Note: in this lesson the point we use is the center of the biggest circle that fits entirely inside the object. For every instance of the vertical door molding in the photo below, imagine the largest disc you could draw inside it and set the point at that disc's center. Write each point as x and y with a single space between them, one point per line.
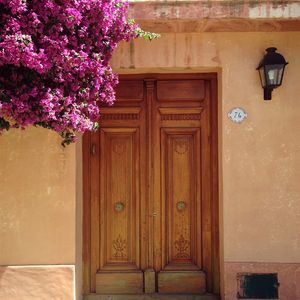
150 85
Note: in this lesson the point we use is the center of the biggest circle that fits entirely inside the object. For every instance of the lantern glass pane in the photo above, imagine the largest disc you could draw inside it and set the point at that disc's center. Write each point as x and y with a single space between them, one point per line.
262 76
280 74
274 74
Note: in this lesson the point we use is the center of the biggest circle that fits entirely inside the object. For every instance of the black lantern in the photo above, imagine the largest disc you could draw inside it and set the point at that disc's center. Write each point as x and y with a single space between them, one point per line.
271 70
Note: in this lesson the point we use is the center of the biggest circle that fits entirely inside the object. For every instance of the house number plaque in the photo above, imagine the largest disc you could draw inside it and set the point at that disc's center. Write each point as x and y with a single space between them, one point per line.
237 115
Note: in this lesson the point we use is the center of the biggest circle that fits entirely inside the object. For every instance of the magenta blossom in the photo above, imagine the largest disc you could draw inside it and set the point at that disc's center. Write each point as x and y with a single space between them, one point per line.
54 61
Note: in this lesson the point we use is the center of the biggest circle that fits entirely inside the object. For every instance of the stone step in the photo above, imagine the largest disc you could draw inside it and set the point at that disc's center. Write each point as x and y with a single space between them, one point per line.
151 297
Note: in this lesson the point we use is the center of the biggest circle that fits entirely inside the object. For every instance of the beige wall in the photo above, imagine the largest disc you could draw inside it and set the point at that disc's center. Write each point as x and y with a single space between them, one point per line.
259 159
37 199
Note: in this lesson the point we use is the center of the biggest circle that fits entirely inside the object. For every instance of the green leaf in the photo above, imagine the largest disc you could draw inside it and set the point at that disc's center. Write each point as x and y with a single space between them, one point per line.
147 35
4 124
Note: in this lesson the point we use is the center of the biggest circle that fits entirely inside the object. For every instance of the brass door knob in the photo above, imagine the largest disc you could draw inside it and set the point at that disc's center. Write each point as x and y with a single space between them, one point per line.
119 206
181 205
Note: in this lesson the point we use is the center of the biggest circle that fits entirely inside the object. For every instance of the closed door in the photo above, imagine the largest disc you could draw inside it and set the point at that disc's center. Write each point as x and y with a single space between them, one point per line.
151 212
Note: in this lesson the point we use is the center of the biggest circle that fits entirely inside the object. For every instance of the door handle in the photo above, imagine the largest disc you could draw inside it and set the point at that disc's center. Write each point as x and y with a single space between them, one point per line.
119 206
181 205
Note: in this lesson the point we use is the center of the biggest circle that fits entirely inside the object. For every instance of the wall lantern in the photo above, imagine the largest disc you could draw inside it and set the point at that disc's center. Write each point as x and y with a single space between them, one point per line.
271 70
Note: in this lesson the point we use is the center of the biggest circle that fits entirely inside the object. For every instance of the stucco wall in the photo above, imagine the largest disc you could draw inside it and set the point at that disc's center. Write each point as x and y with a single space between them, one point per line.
37 199
259 159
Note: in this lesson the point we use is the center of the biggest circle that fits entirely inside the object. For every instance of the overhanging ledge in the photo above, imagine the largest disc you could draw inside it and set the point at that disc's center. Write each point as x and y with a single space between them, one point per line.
198 16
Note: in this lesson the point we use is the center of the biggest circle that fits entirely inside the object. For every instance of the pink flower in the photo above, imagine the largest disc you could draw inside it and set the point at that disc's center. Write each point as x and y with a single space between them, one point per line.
54 62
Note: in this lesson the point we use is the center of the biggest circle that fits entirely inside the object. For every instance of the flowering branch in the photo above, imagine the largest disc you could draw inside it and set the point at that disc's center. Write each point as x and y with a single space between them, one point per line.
54 61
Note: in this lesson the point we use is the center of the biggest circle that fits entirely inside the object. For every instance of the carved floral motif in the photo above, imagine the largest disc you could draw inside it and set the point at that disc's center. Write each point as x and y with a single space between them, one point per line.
119 246
182 246
118 148
181 146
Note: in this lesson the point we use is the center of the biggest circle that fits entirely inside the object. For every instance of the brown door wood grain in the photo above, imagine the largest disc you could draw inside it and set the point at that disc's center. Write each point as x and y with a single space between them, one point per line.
151 199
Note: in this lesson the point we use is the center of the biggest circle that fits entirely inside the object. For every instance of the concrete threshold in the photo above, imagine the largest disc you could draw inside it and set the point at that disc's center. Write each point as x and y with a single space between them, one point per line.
151 297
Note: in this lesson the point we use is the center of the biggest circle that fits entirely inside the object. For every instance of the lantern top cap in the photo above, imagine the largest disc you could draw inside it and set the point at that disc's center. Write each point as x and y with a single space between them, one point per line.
271 49
272 58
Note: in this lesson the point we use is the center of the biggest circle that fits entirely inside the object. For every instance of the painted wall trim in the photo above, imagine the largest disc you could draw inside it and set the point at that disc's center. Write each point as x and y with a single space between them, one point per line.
216 16
288 277
164 10
219 25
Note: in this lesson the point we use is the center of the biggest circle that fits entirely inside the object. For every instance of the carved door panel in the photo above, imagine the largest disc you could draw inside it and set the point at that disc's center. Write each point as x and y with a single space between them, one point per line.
152 216
182 182
118 195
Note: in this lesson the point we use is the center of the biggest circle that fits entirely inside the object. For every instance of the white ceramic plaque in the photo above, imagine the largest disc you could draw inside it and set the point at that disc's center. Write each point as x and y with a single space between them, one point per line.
237 115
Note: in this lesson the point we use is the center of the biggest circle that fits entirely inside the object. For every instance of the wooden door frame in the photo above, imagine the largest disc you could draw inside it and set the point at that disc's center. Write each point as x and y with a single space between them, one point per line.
215 238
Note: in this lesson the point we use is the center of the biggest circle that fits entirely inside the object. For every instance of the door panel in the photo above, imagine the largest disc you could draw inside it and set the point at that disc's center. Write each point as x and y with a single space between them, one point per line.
120 199
181 282
119 224
184 90
120 218
181 198
180 134
151 189
130 90
119 282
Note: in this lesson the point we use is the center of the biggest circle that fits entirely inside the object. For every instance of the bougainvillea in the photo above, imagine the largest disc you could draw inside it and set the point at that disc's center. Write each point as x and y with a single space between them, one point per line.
54 61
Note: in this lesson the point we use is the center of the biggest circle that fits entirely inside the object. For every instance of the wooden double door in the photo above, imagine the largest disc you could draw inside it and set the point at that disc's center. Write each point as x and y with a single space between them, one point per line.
151 214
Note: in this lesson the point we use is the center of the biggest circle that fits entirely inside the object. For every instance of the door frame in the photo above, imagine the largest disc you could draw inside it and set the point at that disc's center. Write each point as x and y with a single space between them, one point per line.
214 285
